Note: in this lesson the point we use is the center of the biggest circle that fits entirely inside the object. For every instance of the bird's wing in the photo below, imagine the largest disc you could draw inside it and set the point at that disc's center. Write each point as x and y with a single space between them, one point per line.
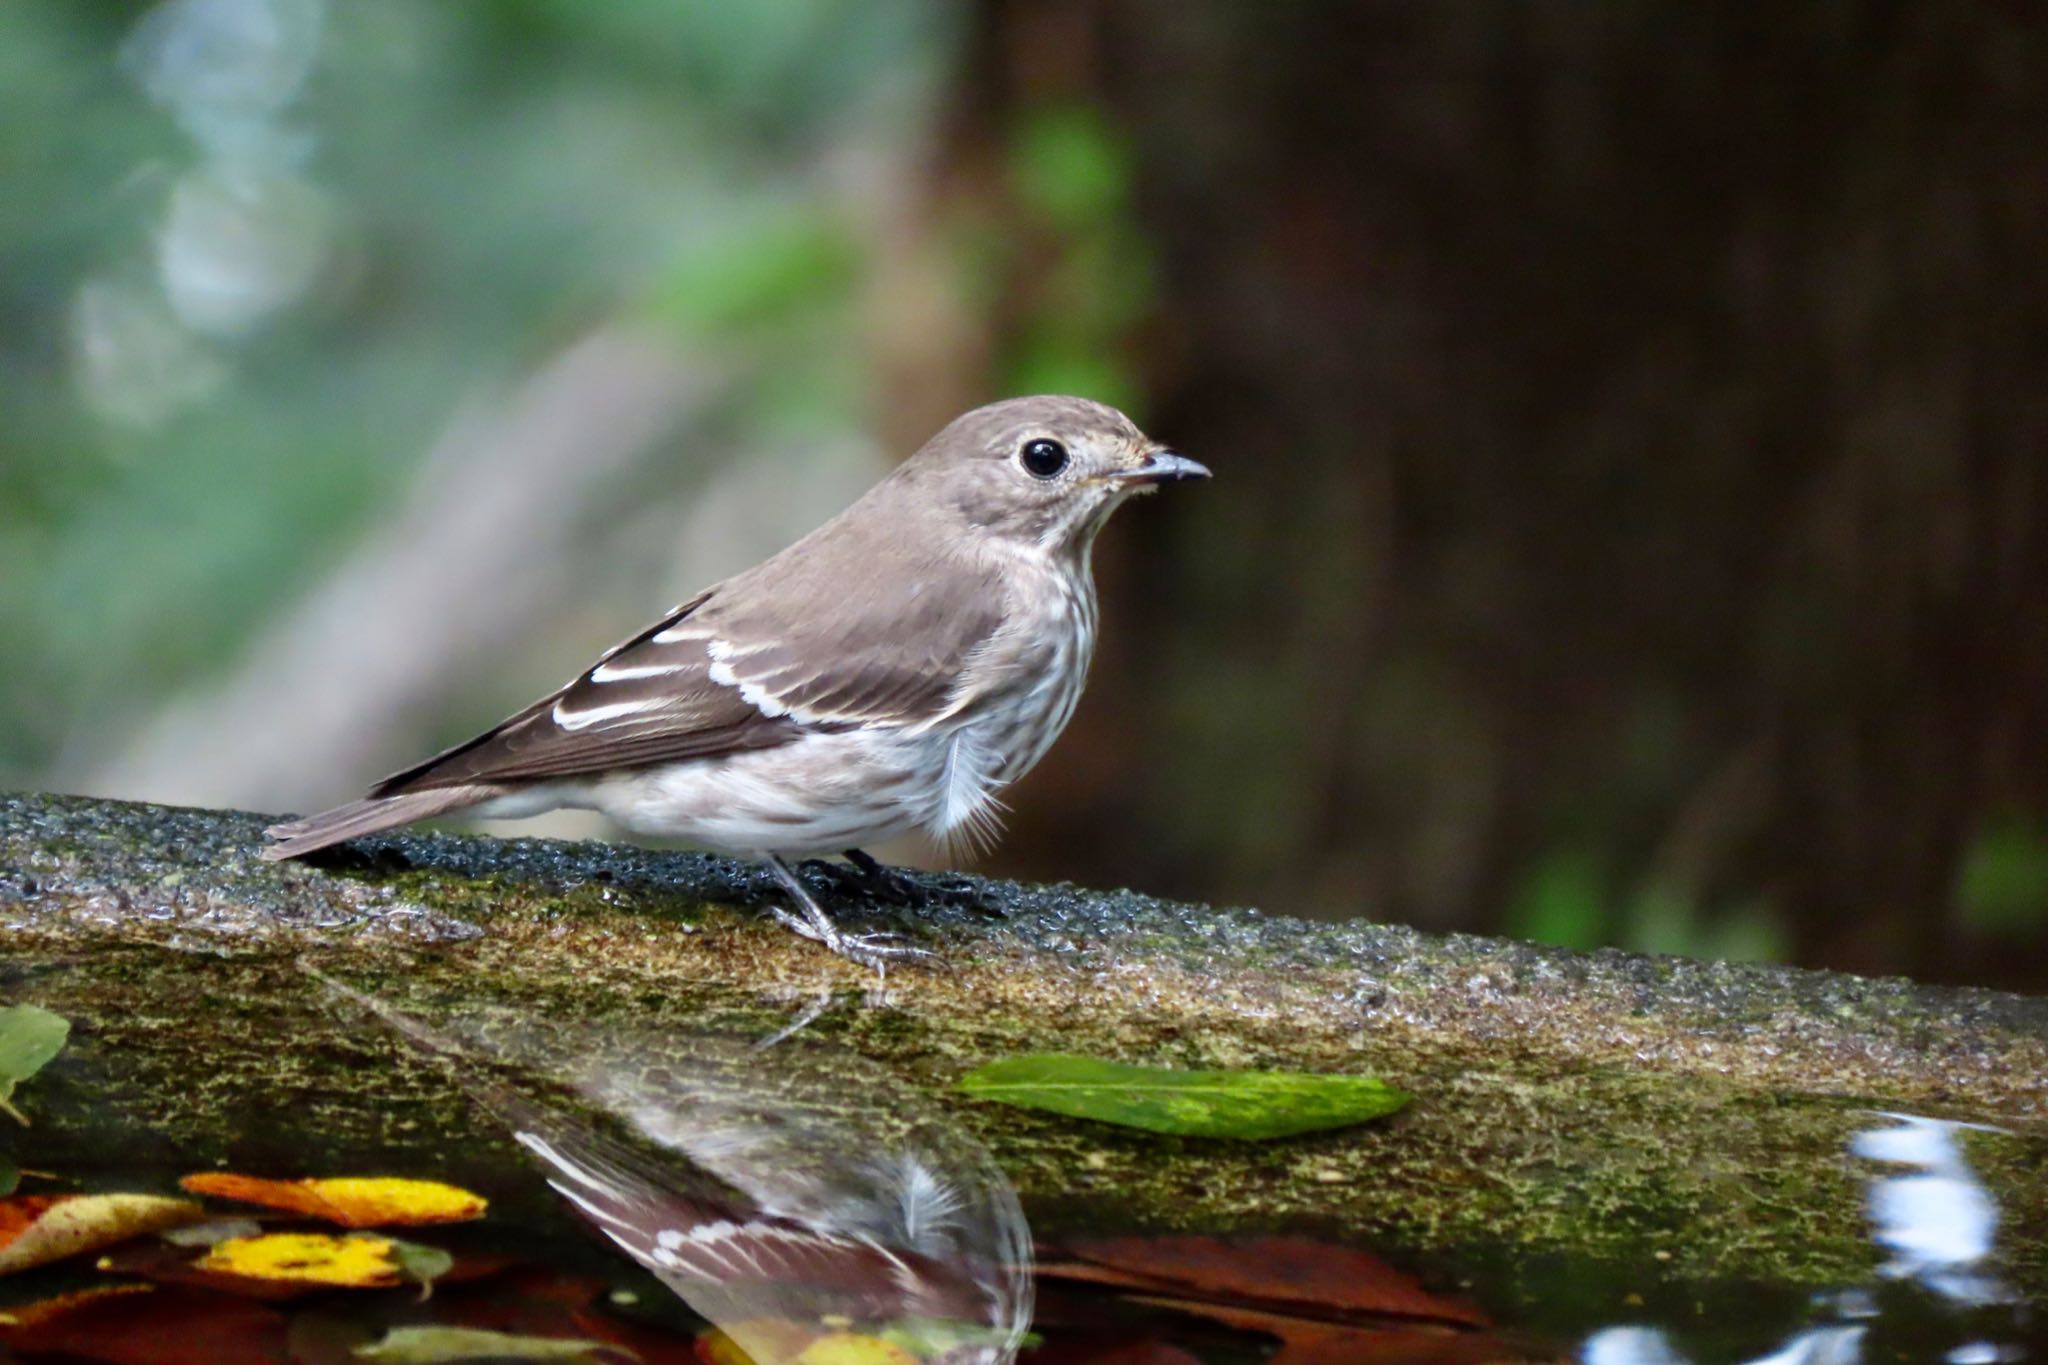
742 667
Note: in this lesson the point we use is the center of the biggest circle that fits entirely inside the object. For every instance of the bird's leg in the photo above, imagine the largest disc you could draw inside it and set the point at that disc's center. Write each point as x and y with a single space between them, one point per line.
866 878
797 1025
870 950
881 882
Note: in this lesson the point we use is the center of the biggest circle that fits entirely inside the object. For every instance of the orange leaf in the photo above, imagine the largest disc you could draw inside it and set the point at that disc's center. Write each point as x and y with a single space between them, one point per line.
39 1228
350 1202
17 1213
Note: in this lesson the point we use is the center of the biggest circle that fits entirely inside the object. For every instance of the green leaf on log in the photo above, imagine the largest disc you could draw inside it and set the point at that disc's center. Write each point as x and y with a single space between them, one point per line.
1215 1104
29 1037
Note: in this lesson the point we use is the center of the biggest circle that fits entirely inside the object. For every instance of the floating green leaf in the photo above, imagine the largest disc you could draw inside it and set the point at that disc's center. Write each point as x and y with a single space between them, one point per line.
441 1345
29 1037
421 1264
1225 1104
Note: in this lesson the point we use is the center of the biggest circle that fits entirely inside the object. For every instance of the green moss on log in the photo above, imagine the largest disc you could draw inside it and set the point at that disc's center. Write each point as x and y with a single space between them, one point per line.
1603 1105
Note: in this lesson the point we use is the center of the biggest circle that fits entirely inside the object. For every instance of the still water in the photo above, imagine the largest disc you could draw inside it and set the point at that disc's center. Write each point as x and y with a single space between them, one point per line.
774 1199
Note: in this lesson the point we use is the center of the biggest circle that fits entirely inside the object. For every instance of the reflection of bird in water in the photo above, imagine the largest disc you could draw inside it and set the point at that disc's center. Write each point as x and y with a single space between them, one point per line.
749 1270
772 1190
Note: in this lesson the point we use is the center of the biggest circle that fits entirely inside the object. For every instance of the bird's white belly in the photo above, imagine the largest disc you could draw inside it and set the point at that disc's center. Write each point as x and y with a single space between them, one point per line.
818 794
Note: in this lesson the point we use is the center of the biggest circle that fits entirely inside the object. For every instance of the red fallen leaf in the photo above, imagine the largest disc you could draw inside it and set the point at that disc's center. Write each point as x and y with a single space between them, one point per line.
1307 1342
540 1284
1120 1353
529 1302
1319 1278
330 1334
29 1315
650 1344
162 1327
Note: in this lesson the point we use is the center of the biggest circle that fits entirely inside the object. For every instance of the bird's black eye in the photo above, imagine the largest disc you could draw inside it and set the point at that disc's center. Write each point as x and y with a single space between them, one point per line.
1043 457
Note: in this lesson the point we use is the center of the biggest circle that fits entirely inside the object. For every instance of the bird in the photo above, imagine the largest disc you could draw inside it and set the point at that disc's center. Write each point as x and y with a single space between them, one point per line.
895 670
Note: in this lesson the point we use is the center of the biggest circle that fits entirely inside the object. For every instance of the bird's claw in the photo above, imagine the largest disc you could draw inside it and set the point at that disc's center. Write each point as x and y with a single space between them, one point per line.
874 951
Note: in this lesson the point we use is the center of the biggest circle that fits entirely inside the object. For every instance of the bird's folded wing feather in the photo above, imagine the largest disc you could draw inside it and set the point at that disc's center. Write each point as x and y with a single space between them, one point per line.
740 668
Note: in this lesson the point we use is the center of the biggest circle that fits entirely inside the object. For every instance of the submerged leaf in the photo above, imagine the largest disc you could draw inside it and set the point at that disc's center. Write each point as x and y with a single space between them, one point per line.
931 1338
279 1266
355 1262
350 1202
852 1348
29 1037
45 1311
1218 1104
442 1345
38 1229
1315 1278
141 1325
754 1341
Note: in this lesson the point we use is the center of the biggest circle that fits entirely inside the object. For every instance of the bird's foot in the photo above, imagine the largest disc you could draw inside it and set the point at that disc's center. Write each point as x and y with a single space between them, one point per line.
810 920
874 951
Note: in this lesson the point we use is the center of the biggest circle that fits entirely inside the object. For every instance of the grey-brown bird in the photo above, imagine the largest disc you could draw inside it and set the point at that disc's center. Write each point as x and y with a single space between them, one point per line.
892 671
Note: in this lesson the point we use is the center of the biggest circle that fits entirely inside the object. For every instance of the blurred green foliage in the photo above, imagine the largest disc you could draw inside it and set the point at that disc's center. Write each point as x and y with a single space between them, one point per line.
761 274
1569 899
2003 888
1072 172
479 184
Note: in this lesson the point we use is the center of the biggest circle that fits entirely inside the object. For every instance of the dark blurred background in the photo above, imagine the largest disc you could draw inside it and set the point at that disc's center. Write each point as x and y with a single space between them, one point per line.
1631 523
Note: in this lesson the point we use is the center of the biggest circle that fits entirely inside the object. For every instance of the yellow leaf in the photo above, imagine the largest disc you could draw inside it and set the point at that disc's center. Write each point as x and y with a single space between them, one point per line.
350 1201
851 1348
755 1341
307 1258
38 1229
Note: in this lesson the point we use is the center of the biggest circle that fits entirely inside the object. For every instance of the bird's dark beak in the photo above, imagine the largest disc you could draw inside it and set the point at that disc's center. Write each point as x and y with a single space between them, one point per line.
1163 466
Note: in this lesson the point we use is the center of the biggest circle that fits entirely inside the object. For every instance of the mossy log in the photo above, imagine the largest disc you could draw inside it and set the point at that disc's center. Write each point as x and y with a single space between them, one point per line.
1606 1105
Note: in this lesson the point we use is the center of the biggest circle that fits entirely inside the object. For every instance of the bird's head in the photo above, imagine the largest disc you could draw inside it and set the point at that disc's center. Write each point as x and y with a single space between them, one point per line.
1046 471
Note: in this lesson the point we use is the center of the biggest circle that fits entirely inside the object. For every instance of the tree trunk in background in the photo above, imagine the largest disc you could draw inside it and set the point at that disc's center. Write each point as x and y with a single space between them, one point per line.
1630 440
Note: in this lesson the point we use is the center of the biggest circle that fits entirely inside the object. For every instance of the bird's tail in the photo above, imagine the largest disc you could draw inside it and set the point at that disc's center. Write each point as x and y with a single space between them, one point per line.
296 837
